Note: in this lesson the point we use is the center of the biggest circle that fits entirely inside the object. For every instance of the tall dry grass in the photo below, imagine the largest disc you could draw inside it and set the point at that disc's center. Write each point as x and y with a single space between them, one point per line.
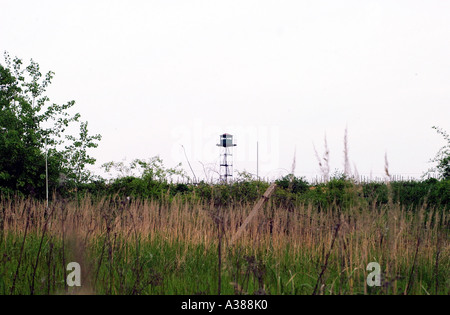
327 250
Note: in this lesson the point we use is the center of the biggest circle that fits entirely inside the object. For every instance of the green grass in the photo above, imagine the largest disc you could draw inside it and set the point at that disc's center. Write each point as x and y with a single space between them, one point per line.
159 267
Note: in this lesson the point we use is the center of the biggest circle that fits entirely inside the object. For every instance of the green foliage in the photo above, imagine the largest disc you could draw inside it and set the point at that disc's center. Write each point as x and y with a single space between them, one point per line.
413 194
296 185
442 157
31 126
345 194
144 178
339 193
76 156
152 169
237 192
376 193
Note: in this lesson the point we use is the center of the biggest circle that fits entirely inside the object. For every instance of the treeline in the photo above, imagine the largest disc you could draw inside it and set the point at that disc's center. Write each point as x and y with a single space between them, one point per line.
291 191
345 193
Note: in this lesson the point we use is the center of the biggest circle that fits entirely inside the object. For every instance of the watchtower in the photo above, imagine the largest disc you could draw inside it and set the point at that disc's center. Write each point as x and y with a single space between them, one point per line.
226 157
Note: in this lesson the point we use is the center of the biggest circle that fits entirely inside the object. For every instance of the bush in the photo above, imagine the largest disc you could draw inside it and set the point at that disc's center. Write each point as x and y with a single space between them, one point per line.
297 185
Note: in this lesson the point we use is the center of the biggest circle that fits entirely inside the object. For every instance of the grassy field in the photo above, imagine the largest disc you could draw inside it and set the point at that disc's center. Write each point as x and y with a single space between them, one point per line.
179 247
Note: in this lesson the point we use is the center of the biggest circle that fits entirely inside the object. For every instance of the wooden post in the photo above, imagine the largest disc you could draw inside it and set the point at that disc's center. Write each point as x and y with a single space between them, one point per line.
253 213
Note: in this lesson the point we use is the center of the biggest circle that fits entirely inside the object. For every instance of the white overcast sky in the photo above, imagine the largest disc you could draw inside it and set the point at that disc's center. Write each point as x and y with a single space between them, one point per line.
151 76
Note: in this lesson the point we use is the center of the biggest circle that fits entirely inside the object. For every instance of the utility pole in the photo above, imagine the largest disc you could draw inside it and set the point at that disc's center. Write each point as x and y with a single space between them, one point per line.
257 160
46 171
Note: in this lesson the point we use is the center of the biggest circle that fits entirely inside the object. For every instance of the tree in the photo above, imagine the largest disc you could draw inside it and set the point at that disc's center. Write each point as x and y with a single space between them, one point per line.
31 127
442 157
76 157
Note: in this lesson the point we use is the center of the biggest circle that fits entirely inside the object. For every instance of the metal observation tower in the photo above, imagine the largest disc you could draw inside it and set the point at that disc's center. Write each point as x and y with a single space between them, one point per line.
226 157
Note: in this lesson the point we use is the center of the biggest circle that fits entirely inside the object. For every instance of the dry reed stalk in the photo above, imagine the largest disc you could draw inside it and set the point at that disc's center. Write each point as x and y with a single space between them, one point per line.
13 287
436 264
219 223
44 231
347 167
411 275
325 265
325 166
